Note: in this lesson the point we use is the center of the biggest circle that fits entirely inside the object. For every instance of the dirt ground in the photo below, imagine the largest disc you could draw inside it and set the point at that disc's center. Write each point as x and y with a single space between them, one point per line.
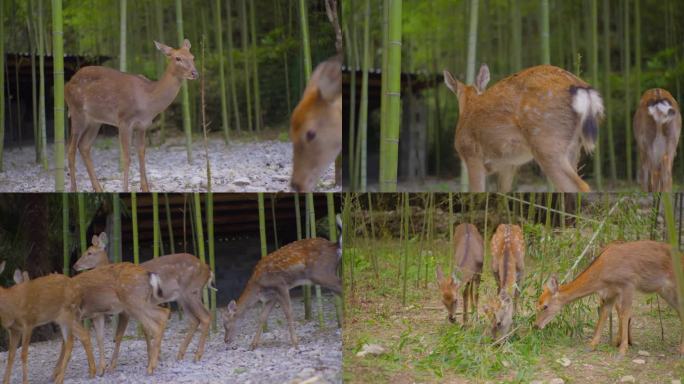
318 359
410 334
245 164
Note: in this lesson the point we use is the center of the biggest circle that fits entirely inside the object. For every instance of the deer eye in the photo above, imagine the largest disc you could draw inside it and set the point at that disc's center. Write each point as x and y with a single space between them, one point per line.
178 59
545 307
310 135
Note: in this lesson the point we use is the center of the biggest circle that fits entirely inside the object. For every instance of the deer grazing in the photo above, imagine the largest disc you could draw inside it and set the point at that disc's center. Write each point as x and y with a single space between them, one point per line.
508 265
100 95
468 258
615 275
543 113
308 261
182 277
316 125
126 289
53 298
657 125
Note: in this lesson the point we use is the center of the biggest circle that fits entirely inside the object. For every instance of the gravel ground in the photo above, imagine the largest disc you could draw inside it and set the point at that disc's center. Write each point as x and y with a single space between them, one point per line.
241 166
318 360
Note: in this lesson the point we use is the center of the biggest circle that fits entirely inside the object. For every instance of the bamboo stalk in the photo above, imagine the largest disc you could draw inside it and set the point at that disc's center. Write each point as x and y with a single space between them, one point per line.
58 89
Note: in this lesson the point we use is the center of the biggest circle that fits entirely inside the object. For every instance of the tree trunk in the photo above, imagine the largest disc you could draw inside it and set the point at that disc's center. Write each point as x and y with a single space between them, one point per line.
628 97
363 112
598 176
545 34
304 23
607 96
42 126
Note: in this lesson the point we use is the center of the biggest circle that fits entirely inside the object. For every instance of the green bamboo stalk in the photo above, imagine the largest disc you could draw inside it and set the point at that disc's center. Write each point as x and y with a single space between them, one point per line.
159 21
516 25
307 287
304 23
155 224
58 87
212 252
255 68
66 254
42 127
384 85
374 256
628 97
82 223
276 244
312 222
222 74
390 135
545 34
607 95
262 224
116 230
231 65
169 225
352 96
363 113
598 175
405 230
332 229
246 57
451 227
298 218
187 128
200 242
122 36
134 219
637 48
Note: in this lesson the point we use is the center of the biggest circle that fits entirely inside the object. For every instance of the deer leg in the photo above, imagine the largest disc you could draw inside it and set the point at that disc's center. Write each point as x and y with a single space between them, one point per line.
561 173
25 341
159 317
193 323
263 318
603 311
84 337
140 143
77 127
477 175
11 351
98 324
204 318
476 289
61 355
125 133
465 295
284 295
625 313
84 146
120 330
506 174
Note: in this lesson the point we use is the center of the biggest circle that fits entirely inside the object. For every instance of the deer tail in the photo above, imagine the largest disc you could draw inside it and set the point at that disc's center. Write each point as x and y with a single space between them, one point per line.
155 282
211 282
588 105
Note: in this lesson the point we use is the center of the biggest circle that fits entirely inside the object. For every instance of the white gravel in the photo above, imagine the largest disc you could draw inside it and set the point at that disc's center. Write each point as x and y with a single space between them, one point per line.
241 166
318 359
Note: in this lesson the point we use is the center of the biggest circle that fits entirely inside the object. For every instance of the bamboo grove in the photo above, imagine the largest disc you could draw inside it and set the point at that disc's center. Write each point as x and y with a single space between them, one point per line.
620 47
259 55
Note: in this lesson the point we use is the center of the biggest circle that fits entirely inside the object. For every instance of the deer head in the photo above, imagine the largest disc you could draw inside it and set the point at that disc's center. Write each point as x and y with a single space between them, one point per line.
229 318
549 303
449 288
181 61
499 311
95 255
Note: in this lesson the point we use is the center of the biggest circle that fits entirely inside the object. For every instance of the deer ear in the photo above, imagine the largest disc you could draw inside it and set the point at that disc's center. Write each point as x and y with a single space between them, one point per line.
186 44
552 284
439 274
451 83
103 240
2 266
232 307
96 241
456 277
165 49
329 80
18 277
482 78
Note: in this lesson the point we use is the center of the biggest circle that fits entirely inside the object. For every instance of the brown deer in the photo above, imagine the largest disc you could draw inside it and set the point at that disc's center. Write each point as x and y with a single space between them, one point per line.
101 95
508 265
316 125
304 261
468 258
542 113
615 275
126 289
657 125
48 299
182 277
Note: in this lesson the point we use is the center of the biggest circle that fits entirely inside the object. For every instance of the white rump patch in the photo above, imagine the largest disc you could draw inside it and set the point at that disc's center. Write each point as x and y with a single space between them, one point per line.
154 280
660 112
587 101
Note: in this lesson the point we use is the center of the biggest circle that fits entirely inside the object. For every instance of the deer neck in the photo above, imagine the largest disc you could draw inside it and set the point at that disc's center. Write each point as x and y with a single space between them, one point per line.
164 90
585 284
249 297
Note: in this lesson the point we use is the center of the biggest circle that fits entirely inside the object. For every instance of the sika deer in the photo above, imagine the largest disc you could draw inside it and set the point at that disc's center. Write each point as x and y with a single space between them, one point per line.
615 275
304 261
182 278
508 264
101 95
48 299
126 289
316 125
468 258
542 113
657 125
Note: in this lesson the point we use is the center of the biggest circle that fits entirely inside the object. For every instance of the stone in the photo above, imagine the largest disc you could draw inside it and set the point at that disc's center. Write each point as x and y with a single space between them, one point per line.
643 353
370 349
564 361
639 361
628 379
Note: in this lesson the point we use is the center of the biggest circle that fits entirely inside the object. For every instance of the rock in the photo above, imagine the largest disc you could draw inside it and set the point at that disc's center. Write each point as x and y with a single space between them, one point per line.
372 349
506 364
564 361
557 380
242 181
643 353
676 381
639 361
536 382
628 379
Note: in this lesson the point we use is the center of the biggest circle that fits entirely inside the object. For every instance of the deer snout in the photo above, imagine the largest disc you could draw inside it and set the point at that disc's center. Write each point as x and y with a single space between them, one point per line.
194 74
452 319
